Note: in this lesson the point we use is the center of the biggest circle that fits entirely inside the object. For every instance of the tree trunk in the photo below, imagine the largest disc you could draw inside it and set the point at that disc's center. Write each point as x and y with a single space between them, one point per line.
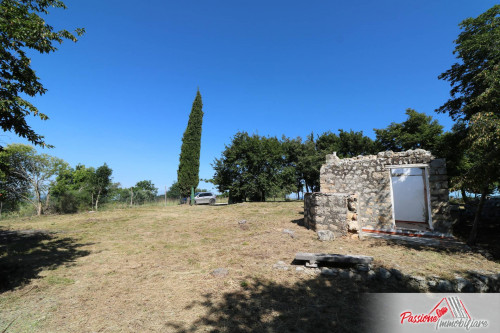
97 199
464 196
131 197
477 218
47 199
39 207
39 210
1 206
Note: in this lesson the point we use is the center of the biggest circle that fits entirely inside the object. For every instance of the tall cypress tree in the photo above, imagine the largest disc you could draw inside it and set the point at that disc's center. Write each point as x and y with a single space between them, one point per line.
189 160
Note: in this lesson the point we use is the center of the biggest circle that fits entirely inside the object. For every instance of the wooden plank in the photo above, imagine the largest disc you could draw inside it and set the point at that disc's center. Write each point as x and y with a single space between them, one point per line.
333 258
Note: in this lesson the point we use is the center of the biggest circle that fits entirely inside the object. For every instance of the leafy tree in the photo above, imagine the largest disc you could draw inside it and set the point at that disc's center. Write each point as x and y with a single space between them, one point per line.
256 167
253 167
310 162
346 144
189 160
174 192
144 191
79 188
118 193
352 144
327 143
306 159
452 149
9 199
23 28
28 175
483 169
294 152
100 183
65 196
418 131
475 81
475 100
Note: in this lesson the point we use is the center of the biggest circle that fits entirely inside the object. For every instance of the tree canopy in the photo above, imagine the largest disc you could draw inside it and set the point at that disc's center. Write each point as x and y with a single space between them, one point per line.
23 28
475 80
475 103
257 167
253 167
189 159
144 191
28 175
418 131
81 188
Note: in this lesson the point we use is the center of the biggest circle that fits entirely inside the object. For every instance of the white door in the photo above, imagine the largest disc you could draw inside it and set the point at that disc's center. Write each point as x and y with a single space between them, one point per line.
409 194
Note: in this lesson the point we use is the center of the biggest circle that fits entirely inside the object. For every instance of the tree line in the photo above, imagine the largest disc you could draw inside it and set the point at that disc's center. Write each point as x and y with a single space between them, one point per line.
254 167
49 184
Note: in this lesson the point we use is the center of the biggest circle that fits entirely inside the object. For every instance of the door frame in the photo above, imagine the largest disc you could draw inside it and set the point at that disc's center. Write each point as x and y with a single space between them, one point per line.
425 174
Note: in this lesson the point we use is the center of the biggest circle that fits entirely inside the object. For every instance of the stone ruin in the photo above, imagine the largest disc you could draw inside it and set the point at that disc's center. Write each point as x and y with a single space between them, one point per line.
357 193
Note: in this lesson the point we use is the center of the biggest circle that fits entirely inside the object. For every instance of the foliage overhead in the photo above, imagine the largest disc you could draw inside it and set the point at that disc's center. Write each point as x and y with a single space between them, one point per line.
475 80
189 160
23 28
475 101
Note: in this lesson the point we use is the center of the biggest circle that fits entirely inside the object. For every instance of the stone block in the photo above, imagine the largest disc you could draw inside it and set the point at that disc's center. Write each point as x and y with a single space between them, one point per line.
383 273
325 235
352 226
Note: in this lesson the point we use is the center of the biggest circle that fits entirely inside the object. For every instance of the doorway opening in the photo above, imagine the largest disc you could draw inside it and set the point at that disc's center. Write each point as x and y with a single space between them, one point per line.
410 198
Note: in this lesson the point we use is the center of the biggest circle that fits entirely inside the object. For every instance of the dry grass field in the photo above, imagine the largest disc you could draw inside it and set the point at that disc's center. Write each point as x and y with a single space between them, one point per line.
148 269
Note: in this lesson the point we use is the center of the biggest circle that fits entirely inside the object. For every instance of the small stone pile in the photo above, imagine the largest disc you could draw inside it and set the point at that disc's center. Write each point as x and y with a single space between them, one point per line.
478 282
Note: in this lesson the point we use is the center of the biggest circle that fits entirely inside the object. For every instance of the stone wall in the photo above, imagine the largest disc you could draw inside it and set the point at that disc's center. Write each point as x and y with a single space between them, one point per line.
326 211
365 183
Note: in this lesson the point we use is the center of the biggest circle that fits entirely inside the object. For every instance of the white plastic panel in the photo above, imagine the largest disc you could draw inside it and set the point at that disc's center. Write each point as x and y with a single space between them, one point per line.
409 195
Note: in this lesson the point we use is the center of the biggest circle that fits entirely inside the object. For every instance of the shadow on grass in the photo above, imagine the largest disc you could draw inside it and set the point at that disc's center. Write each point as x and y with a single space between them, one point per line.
25 253
418 247
487 238
317 304
299 222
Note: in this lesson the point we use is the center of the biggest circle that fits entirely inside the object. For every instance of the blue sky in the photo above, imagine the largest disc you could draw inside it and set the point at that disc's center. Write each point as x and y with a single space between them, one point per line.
123 93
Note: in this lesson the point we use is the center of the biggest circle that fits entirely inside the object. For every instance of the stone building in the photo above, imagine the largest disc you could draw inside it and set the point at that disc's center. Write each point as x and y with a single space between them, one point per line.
387 193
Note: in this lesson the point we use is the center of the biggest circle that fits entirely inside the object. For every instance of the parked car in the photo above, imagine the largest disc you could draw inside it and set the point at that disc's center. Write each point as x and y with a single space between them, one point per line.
204 198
